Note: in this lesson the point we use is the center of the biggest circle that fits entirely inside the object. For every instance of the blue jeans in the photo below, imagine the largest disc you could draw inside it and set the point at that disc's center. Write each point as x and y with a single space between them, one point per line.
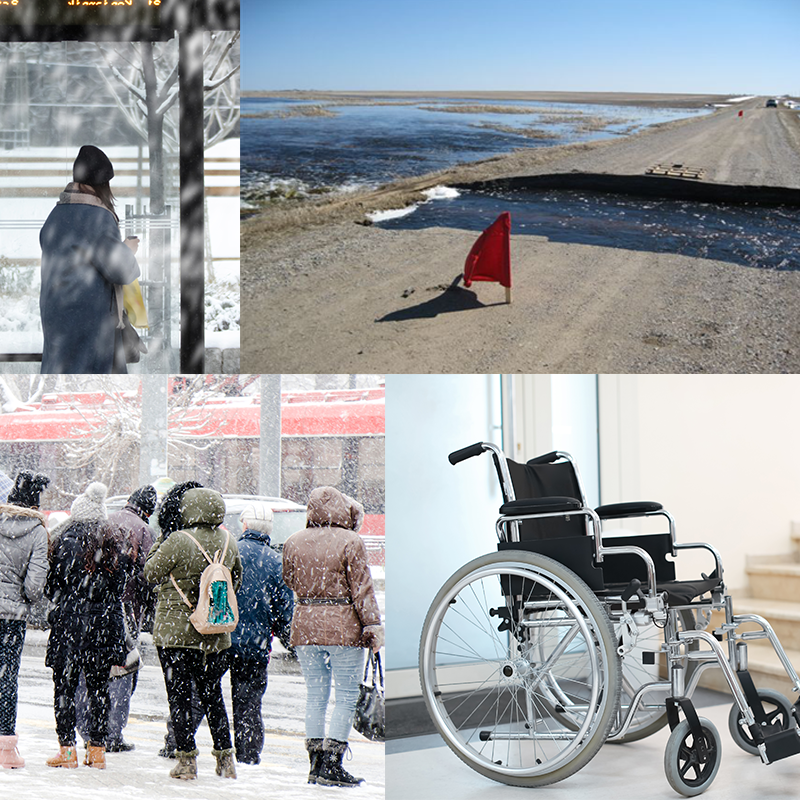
320 664
12 637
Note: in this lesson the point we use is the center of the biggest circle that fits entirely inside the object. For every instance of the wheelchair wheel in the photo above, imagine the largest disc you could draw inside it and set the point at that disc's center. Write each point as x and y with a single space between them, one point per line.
779 715
651 715
688 770
500 632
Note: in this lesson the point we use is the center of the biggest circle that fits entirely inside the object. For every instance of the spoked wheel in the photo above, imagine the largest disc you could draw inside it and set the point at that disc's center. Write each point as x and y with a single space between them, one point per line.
501 632
779 715
651 712
690 766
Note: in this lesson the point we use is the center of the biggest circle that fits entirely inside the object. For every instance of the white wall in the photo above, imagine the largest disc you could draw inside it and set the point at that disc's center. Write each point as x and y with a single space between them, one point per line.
438 516
720 452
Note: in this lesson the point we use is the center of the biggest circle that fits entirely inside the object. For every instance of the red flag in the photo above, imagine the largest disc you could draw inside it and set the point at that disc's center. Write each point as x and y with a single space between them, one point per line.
490 257
741 113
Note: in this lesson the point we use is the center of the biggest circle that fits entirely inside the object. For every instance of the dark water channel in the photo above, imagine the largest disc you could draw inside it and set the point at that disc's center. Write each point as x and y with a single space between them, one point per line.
754 236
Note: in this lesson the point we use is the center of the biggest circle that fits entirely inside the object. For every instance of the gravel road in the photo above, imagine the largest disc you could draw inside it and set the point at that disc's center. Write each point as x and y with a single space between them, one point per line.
337 296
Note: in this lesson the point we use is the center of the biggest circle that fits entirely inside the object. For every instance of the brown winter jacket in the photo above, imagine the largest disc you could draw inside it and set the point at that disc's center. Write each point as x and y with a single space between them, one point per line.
327 560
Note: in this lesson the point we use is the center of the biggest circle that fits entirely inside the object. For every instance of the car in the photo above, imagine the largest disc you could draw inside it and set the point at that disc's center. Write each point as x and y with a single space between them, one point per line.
772 103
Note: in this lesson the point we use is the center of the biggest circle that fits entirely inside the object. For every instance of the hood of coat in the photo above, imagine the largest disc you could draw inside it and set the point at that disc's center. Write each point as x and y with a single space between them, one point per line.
328 507
202 507
16 521
253 535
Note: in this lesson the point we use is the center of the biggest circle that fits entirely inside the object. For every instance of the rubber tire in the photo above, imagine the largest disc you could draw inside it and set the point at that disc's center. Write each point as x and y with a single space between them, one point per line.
671 754
738 735
521 558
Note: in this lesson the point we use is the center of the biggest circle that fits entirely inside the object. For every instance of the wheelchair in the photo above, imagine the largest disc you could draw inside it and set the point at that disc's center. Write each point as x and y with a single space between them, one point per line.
534 656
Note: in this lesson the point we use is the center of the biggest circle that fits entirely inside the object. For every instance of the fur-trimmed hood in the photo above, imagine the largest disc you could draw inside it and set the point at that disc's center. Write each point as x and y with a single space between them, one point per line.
16 521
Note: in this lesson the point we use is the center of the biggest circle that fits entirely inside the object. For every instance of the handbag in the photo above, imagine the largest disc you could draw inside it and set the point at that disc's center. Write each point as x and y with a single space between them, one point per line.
133 302
370 718
134 346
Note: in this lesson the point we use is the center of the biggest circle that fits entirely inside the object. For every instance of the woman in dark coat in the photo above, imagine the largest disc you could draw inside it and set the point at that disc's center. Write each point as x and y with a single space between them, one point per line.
87 577
83 261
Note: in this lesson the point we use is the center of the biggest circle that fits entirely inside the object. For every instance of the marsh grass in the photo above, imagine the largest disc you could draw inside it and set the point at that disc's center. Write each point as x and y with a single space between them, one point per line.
297 111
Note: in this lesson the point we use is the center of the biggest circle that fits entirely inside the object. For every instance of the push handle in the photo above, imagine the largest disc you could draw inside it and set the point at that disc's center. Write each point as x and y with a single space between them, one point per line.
547 458
465 452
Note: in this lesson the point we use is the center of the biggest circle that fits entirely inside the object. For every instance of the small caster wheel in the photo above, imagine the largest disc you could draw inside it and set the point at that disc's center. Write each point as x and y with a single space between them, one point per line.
778 711
689 771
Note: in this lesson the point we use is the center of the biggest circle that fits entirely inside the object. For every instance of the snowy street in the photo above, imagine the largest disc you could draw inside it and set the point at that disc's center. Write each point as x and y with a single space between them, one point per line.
142 773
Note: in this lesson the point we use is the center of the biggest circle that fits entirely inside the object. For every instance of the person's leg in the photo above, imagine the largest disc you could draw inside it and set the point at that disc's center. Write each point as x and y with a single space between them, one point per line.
347 665
82 717
96 674
119 692
65 682
248 684
12 638
208 680
317 676
176 664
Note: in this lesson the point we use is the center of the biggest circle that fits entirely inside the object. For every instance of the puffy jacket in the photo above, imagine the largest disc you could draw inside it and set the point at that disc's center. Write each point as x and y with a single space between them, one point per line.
265 602
202 511
23 560
88 613
327 561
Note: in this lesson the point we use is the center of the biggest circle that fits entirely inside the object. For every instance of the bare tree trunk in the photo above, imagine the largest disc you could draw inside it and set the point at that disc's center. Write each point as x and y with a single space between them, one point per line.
155 130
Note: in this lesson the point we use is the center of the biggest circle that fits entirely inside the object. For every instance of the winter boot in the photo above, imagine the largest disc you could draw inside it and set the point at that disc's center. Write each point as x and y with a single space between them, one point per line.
225 766
95 756
9 755
186 768
331 772
314 747
67 757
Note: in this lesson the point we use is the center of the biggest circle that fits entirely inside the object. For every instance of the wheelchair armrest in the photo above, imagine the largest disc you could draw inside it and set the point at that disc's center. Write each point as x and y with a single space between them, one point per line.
617 510
704 546
540 505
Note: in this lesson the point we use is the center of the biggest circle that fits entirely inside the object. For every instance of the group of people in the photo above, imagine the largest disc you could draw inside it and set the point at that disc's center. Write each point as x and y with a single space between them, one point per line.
102 574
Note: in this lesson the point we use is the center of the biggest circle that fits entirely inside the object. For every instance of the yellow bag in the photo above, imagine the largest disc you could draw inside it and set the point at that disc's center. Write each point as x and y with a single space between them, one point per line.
134 304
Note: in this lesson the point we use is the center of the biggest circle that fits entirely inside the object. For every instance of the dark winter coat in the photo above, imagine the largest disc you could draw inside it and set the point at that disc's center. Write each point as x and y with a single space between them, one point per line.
83 257
265 602
139 538
328 560
88 613
23 560
203 511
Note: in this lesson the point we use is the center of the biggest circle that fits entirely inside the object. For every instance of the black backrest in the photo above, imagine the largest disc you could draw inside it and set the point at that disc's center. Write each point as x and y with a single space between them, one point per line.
547 480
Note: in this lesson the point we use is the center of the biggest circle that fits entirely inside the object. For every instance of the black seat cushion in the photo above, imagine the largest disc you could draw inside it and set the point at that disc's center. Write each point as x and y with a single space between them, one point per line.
540 505
627 509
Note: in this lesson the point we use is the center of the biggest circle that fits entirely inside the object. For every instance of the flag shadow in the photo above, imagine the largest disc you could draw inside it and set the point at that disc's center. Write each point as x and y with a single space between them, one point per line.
452 298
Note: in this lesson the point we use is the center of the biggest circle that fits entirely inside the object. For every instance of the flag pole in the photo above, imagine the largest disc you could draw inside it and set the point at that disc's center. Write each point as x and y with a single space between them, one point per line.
508 294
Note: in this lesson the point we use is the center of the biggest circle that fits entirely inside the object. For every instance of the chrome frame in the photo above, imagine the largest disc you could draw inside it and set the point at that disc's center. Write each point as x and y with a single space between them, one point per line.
675 642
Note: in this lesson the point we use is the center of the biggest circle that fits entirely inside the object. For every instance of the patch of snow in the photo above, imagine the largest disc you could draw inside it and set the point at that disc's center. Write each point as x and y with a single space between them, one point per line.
392 213
441 193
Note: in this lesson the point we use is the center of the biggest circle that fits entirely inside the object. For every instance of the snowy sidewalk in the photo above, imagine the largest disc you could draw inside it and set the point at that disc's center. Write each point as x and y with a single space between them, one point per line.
283 771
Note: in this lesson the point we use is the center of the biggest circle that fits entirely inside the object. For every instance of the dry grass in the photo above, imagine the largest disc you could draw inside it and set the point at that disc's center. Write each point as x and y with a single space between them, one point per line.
529 132
297 111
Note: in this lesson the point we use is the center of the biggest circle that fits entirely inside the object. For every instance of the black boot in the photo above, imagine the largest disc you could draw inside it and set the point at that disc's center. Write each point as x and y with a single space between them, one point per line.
332 773
314 747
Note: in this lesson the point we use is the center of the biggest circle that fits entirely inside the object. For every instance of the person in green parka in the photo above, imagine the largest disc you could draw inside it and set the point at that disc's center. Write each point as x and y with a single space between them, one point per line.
184 653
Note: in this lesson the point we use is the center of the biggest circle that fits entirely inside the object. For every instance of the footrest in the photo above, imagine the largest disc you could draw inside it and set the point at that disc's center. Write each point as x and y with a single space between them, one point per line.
782 745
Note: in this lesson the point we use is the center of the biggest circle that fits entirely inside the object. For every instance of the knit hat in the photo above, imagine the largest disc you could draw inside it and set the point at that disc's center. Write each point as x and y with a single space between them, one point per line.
27 488
92 166
91 505
144 498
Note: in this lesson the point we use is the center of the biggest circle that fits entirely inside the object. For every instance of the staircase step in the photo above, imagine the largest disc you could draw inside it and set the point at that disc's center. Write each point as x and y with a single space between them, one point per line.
775 581
783 615
765 668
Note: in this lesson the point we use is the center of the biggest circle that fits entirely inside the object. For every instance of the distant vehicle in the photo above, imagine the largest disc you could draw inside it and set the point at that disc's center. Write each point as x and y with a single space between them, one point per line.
772 103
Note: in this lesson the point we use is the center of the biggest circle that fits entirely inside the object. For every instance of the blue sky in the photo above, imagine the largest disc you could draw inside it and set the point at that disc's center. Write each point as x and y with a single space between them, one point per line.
686 46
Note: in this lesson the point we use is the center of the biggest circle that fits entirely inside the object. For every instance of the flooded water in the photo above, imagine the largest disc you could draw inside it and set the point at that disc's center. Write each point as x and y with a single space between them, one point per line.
372 144
755 236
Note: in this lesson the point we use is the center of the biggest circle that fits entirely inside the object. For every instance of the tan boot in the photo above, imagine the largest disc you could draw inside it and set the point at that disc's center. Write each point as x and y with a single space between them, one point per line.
186 768
225 766
67 757
95 756
9 755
